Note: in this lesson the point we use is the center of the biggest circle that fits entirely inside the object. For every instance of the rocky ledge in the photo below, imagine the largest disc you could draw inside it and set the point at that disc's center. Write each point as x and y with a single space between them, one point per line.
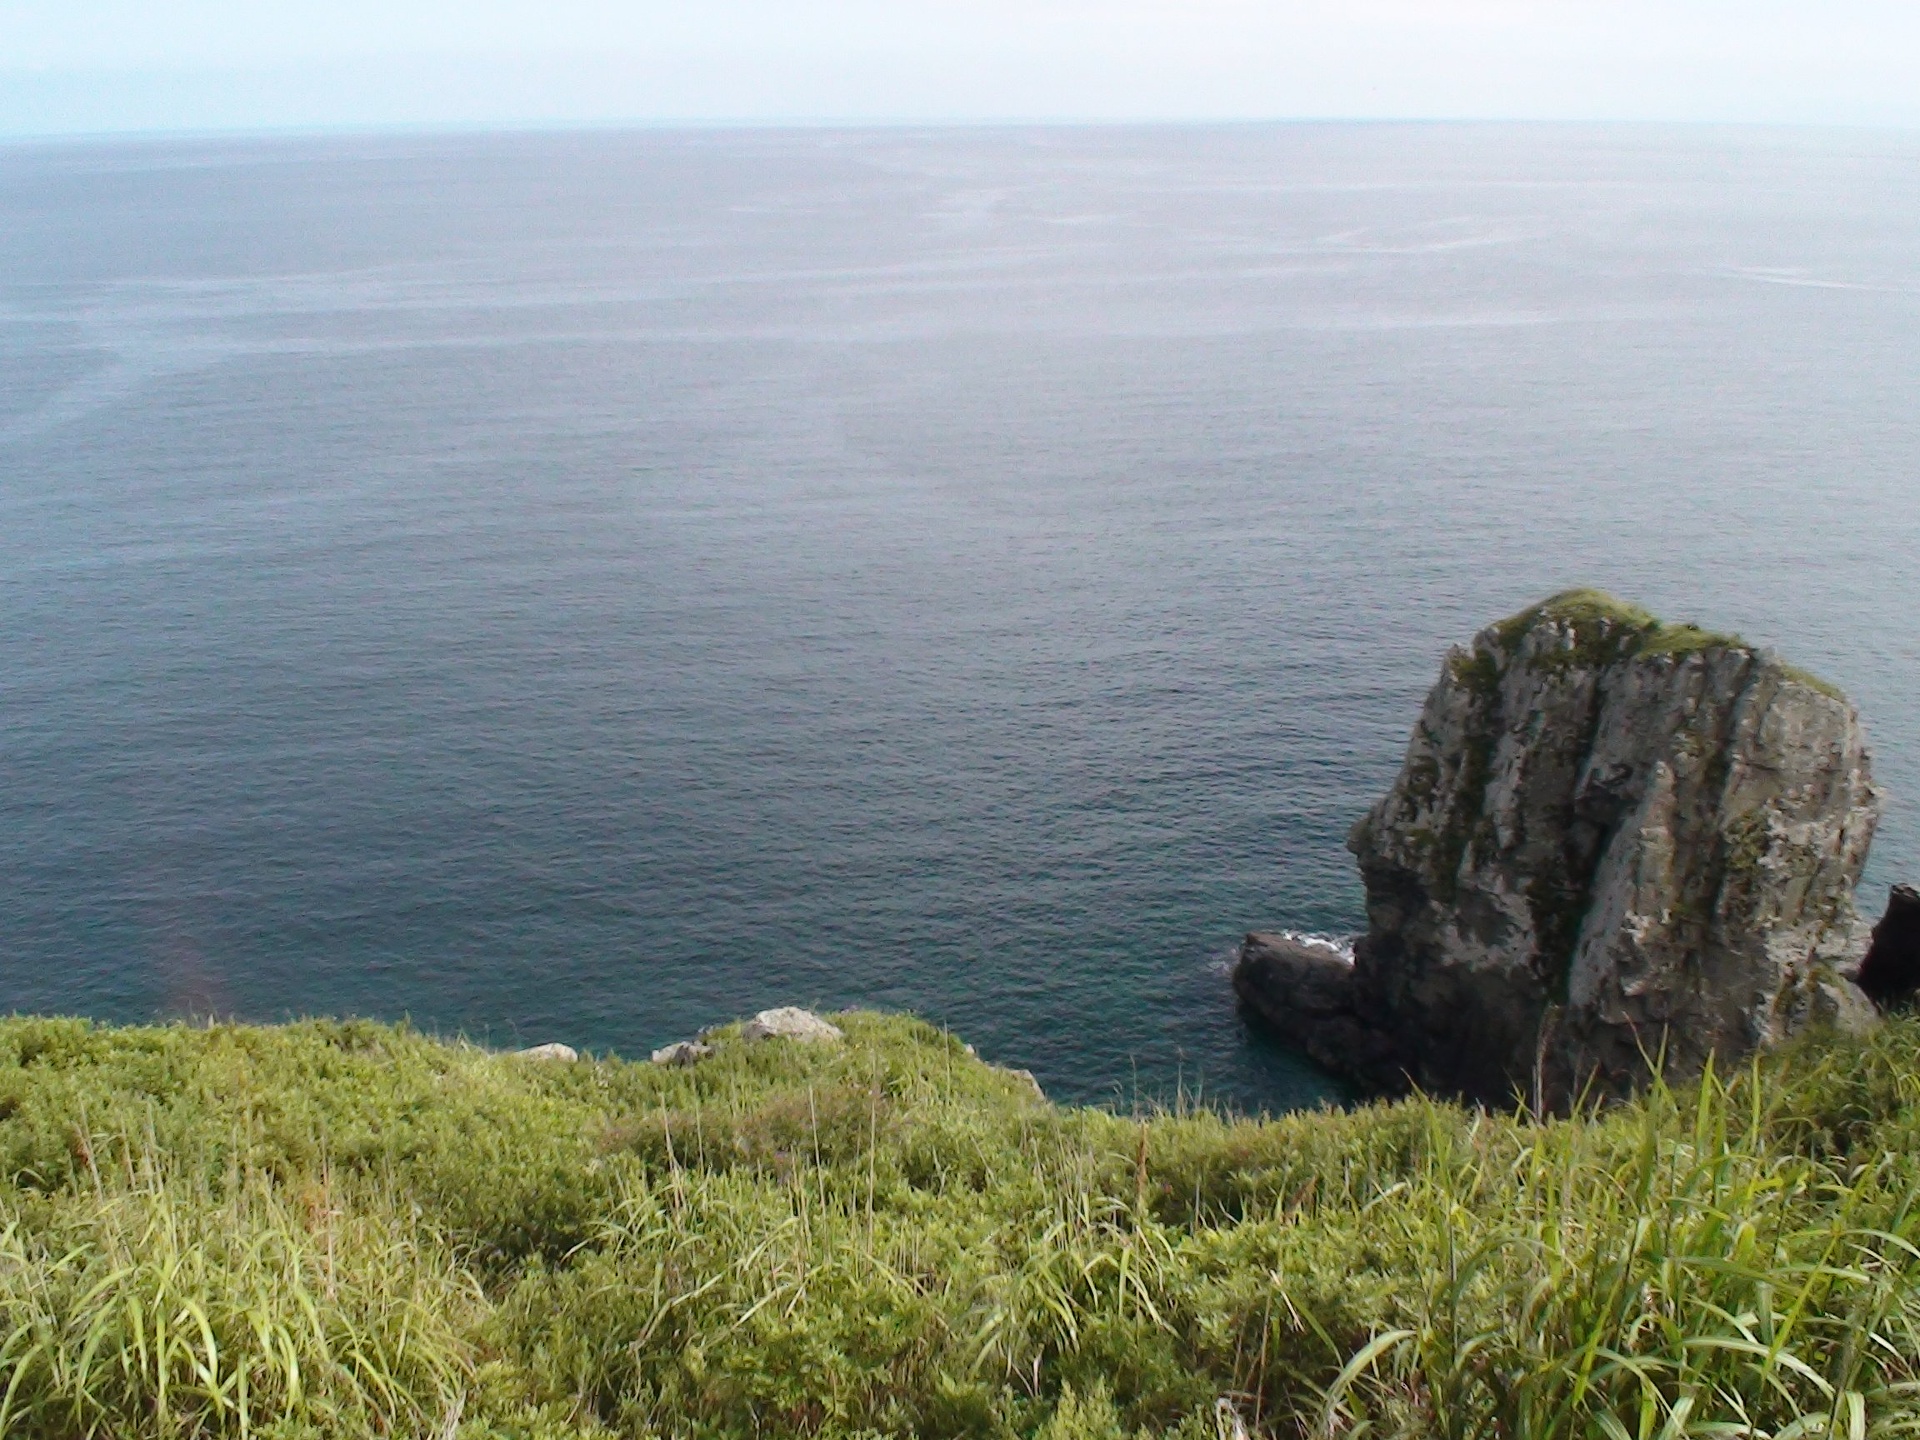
1612 840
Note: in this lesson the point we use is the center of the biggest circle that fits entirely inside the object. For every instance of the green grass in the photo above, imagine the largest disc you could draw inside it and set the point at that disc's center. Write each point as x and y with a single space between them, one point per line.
349 1229
1579 607
1605 629
1814 682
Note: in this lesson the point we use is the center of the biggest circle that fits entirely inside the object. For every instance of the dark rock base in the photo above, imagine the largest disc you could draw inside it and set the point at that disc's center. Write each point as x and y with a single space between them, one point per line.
1891 972
1305 993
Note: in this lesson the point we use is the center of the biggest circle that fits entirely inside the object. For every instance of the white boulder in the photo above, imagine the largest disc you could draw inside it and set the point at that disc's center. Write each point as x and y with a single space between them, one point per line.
789 1022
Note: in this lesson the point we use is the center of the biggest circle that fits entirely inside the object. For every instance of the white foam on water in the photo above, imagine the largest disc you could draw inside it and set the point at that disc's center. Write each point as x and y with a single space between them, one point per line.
1340 945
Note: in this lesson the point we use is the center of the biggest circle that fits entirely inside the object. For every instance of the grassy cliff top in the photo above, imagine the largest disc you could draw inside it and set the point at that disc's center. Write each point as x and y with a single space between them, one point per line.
352 1229
1605 628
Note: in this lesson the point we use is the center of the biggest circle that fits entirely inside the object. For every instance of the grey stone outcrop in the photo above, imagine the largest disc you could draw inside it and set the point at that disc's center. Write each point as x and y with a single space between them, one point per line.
790 1022
1611 840
1306 991
681 1053
553 1050
784 1022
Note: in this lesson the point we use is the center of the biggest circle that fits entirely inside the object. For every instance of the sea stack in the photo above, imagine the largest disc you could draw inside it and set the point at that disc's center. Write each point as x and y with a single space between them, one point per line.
1612 841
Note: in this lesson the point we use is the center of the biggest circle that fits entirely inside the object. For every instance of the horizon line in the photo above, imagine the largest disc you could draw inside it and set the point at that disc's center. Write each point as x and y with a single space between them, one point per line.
614 125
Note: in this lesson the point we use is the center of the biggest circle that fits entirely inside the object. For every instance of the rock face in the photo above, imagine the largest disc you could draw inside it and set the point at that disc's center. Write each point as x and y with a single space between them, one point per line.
1891 972
1610 839
1305 989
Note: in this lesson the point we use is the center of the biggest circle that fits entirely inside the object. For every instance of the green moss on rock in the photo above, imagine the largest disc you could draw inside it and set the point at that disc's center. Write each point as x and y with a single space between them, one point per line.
1604 629
1580 608
1813 682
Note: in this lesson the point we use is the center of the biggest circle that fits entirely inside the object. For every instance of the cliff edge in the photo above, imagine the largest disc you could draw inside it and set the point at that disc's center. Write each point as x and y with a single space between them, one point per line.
1612 839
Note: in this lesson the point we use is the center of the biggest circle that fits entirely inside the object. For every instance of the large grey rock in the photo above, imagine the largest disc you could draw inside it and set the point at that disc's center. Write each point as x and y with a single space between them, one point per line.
1610 840
789 1022
681 1053
552 1050
1303 987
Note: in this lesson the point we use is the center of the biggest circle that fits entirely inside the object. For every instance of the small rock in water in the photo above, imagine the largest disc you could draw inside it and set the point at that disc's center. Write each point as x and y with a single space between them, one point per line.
682 1052
789 1022
551 1051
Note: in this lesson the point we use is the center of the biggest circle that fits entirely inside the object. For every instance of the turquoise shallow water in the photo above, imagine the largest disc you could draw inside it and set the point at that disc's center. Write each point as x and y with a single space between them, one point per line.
583 587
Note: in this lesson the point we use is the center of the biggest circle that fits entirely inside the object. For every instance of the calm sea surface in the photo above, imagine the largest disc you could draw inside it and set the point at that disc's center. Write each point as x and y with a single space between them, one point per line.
585 587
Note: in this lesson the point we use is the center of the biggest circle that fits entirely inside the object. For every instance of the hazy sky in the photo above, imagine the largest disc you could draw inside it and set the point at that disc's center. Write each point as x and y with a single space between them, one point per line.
75 65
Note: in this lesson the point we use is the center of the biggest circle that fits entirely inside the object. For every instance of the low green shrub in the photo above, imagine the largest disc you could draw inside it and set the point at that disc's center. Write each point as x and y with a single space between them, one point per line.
342 1228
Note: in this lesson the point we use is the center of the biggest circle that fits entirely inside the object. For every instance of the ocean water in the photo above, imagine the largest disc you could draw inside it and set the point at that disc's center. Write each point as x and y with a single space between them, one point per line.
589 586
